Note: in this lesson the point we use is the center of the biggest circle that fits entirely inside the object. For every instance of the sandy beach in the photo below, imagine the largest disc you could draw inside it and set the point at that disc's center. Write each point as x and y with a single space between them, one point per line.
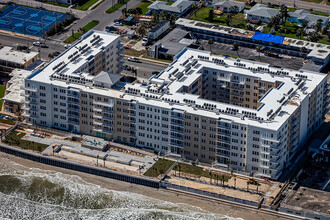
161 194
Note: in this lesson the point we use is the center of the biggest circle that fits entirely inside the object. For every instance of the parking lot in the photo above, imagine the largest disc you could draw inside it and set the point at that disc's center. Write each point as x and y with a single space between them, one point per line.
249 53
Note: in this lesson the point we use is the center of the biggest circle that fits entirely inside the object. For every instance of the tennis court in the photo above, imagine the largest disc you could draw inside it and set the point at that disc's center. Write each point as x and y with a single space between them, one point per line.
28 21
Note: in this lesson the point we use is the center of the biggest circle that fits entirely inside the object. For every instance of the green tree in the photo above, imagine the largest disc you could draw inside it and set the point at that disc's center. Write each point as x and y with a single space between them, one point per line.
211 15
258 49
284 14
210 42
235 47
300 32
228 18
318 25
142 30
124 12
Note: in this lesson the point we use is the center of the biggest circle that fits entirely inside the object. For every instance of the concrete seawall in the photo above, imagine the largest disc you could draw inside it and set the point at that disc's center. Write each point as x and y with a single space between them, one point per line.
79 167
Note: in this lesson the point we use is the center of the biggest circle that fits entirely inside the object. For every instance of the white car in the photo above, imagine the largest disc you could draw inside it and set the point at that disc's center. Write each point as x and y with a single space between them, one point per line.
66 46
118 24
36 43
145 41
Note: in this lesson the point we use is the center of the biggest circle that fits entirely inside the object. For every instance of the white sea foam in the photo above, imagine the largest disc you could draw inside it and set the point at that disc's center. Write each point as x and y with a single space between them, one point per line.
40 194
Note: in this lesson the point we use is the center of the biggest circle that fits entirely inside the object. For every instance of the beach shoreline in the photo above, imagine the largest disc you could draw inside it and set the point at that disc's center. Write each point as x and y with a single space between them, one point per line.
161 194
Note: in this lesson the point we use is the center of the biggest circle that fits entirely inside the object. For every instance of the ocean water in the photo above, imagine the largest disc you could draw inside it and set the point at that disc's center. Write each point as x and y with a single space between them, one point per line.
30 193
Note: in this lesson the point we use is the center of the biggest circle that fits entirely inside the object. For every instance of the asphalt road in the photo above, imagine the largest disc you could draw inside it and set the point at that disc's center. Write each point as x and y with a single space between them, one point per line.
15 41
144 69
299 4
100 15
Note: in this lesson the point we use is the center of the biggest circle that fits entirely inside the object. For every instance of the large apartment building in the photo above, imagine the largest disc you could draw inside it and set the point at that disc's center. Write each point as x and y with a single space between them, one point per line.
233 113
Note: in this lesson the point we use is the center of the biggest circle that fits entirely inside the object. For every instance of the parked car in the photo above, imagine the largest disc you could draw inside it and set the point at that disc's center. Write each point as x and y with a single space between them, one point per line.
118 24
56 53
39 44
66 46
36 43
134 59
110 28
126 67
145 41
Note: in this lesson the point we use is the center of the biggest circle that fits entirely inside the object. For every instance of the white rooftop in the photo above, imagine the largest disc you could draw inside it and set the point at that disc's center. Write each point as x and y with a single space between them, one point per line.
15 89
14 56
70 61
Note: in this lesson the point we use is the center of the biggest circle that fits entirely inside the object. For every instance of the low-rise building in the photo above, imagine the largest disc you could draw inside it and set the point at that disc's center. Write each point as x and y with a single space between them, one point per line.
171 44
11 59
304 16
228 5
260 13
159 29
318 54
179 7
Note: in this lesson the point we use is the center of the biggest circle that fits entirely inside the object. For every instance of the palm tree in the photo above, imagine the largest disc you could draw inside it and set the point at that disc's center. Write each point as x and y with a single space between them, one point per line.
124 11
258 49
318 25
50 56
303 49
210 42
300 32
235 47
142 30
284 14
211 15
229 18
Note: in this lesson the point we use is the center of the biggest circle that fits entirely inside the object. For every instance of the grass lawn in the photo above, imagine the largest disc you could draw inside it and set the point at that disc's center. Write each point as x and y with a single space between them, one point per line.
90 25
75 37
85 6
7 121
198 171
114 8
160 167
57 4
144 6
2 94
134 53
203 13
15 139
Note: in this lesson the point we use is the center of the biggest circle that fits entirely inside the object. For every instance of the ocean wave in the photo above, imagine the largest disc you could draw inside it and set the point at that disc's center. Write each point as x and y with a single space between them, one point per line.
32 193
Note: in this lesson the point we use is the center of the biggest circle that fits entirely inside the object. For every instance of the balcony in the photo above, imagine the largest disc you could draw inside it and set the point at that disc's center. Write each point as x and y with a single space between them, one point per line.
31 95
108 118
225 134
97 123
73 122
75 102
224 141
103 104
74 95
74 116
109 125
73 109
120 50
224 126
107 131
29 89
223 154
